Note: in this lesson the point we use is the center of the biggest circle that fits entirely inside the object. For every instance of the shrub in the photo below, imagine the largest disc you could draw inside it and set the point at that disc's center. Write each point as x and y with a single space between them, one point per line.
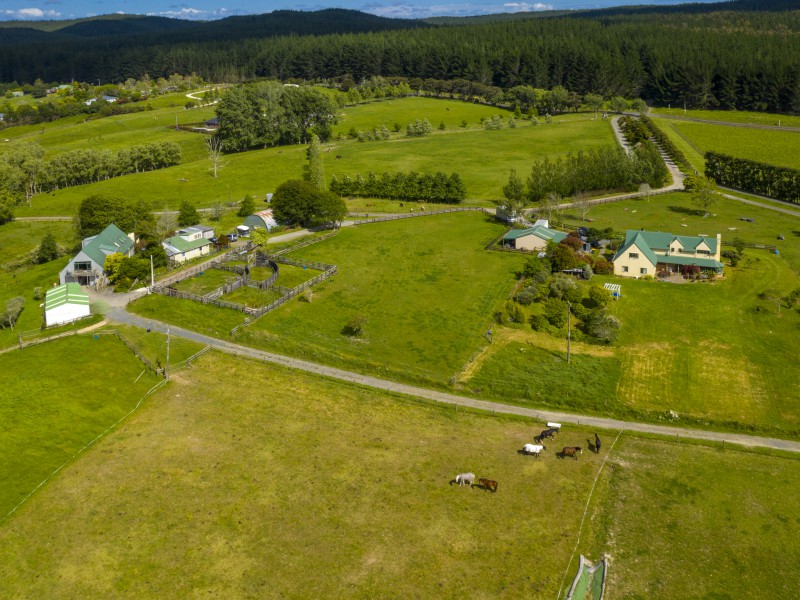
37 293
599 296
603 267
555 311
564 287
539 323
355 325
514 312
527 296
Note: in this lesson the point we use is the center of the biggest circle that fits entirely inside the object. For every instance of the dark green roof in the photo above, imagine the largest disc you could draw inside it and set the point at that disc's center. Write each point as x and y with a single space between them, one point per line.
640 242
708 263
112 239
183 245
662 241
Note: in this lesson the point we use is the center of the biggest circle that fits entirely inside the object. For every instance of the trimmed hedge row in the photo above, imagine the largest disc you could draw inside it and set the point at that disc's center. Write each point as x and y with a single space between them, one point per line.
678 157
437 187
780 183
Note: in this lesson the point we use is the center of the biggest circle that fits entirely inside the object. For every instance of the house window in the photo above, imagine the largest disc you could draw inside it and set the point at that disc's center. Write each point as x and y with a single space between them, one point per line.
643 271
624 269
634 255
83 266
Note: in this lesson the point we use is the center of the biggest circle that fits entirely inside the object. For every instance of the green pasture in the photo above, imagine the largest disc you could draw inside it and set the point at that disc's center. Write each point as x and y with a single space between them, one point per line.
205 282
732 116
337 489
290 276
203 318
21 282
114 133
251 296
365 117
483 158
684 521
780 148
57 397
20 239
426 286
153 345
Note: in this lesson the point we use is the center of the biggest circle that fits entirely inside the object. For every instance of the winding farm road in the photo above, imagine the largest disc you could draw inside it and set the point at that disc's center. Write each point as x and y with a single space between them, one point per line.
120 315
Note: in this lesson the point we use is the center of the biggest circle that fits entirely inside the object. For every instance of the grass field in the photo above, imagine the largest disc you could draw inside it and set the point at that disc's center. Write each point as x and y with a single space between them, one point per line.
205 282
682 521
483 158
251 296
332 490
732 116
57 397
780 148
324 490
19 239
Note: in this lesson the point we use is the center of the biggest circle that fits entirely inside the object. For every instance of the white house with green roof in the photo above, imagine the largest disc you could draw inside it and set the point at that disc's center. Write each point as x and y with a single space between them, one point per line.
188 244
64 304
87 266
652 252
533 239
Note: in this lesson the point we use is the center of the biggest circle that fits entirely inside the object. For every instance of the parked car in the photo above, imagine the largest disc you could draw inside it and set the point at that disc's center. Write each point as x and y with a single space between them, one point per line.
213 240
232 237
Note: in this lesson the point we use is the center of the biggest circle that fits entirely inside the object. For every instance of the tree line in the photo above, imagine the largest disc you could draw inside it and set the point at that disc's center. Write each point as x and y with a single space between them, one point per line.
606 169
780 183
741 60
24 171
432 187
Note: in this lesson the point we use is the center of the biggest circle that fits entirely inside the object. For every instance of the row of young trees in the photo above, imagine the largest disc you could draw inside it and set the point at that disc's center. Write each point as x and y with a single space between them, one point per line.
599 169
780 183
24 171
270 114
432 187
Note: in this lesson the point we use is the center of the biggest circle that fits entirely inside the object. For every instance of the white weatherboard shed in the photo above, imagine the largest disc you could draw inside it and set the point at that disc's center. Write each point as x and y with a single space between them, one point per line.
64 304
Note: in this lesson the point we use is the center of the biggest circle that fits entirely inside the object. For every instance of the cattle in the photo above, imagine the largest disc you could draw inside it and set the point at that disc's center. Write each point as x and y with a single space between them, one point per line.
572 451
466 479
596 444
488 484
534 449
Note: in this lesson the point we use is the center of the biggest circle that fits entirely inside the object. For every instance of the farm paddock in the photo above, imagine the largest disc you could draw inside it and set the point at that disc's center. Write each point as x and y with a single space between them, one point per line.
332 489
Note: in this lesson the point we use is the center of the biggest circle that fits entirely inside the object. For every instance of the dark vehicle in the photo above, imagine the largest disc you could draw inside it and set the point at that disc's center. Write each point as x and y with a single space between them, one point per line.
232 237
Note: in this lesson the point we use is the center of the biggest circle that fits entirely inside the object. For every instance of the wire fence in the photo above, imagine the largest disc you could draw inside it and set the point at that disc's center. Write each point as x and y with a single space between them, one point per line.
425 213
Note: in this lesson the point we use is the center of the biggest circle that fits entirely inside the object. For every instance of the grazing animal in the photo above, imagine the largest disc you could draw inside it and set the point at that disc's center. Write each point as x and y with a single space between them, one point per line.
338 157
466 479
572 451
488 484
596 444
547 433
534 449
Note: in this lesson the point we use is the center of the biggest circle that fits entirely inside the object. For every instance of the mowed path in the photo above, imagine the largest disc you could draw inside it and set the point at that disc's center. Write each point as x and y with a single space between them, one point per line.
122 316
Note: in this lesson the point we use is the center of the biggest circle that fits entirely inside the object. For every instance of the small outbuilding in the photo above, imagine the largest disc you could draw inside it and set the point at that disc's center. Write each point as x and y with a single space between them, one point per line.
263 219
64 304
242 230
533 238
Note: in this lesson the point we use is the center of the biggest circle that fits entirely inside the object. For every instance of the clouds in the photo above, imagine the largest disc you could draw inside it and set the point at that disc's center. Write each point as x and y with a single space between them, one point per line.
420 11
29 14
525 7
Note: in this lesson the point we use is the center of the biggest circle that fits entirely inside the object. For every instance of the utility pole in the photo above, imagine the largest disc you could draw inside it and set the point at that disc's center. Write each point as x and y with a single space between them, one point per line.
166 368
569 329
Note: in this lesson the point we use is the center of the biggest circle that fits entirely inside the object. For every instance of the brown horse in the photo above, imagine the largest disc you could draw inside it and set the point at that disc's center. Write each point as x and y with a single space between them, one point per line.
572 451
488 484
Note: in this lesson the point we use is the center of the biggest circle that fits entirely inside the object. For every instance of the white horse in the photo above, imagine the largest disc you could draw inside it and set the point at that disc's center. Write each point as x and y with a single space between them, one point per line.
465 479
534 449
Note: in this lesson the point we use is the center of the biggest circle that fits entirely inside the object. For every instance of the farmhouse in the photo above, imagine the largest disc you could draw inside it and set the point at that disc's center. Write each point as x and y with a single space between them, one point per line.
87 266
653 252
263 219
190 243
64 304
533 238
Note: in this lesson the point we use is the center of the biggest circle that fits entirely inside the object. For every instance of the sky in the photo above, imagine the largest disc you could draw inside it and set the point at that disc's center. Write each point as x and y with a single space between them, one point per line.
28 10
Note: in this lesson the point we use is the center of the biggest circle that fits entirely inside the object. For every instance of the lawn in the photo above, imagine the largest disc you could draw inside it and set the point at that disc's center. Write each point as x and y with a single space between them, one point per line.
153 345
57 397
290 276
203 318
780 148
325 490
682 521
426 286
732 116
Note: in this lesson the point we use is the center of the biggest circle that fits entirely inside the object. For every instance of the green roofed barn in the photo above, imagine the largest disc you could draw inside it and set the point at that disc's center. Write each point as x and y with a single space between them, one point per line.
86 268
64 304
534 238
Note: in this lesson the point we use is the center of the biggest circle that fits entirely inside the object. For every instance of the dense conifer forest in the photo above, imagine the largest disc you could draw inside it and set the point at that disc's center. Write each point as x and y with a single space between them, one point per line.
724 55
